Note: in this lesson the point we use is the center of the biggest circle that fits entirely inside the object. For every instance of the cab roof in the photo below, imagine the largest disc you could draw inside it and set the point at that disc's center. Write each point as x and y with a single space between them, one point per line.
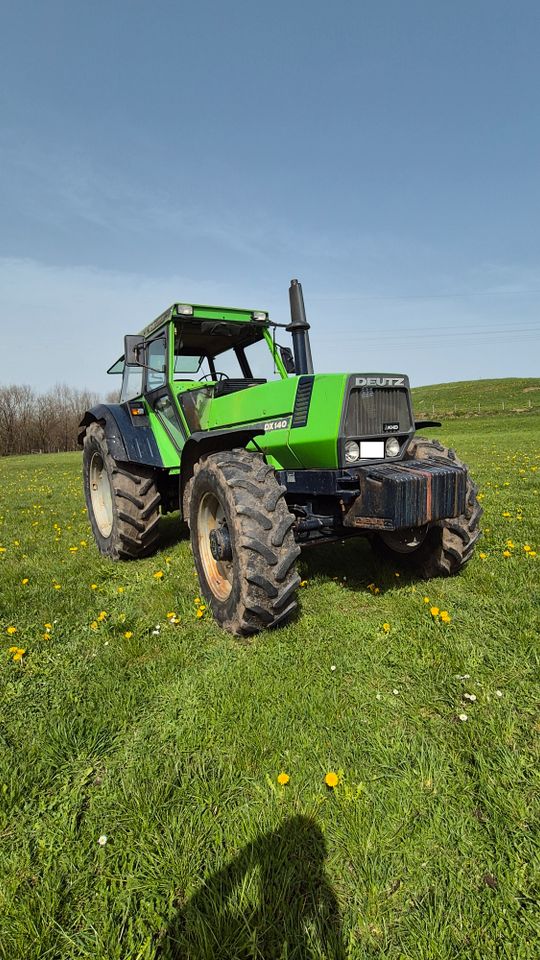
198 311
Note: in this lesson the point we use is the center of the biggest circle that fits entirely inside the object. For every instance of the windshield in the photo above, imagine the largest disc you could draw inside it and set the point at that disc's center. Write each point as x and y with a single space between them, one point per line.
189 364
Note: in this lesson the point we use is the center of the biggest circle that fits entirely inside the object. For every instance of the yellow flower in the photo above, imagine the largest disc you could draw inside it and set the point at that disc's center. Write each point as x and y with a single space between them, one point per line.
434 611
331 779
102 615
197 600
25 581
94 625
532 553
18 653
120 590
13 649
509 544
386 627
283 778
506 553
159 575
57 586
426 599
303 583
482 556
445 616
11 630
171 615
128 634
93 586
48 626
200 613
506 513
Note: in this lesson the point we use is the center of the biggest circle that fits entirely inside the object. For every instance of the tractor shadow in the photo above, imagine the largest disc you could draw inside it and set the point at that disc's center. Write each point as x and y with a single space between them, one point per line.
273 900
353 564
172 530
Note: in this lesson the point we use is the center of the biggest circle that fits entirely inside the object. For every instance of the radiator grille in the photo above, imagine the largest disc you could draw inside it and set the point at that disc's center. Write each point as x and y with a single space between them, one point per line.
370 408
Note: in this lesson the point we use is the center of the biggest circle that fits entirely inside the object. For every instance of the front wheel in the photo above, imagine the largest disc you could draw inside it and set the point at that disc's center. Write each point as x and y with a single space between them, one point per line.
442 549
242 541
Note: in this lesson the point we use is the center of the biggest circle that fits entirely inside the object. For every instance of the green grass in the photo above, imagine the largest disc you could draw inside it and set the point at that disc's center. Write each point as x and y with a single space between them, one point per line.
478 397
169 742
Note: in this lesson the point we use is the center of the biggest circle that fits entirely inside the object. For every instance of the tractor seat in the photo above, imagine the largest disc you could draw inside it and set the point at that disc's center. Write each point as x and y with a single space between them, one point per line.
225 387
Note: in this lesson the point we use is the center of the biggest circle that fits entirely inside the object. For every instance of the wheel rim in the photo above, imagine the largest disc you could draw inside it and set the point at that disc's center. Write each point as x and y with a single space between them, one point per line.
101 495
405 541
218 573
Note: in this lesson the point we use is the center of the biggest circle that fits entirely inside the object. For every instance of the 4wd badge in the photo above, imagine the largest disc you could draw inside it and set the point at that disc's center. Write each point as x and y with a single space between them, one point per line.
391 427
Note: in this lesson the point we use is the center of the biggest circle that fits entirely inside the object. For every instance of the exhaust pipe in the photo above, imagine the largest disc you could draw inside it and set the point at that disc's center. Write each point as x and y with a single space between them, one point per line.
299 327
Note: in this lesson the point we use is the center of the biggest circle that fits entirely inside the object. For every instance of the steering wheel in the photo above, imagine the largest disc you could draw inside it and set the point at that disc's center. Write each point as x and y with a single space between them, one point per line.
218 376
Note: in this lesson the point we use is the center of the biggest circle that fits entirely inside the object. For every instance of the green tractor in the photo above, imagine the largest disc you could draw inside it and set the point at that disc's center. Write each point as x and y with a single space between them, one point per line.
262 467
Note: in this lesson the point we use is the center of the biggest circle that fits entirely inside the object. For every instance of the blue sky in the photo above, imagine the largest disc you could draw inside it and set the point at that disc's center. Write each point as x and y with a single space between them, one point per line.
386 153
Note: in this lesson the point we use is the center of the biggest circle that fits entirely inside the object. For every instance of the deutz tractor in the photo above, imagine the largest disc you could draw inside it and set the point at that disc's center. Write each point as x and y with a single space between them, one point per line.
262 466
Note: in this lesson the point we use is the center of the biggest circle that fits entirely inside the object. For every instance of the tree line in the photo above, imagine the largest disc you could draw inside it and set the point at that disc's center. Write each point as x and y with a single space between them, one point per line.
31 422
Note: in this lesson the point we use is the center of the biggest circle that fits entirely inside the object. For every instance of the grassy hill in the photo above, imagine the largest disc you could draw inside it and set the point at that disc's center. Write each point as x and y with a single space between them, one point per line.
466 397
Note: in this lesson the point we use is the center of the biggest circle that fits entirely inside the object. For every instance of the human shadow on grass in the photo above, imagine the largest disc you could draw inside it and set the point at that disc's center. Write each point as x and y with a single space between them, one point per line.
272 901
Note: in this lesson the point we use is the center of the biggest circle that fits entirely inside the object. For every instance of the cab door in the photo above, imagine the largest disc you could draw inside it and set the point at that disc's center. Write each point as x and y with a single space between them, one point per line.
157 392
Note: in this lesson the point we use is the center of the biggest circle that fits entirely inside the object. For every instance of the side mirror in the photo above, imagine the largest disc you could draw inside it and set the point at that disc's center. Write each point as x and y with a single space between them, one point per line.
288 359
132 348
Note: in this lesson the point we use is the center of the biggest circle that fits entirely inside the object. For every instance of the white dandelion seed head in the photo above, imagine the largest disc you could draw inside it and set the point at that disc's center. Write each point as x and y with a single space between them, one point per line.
463 717
498 693
469 696
378 696
395 692
102 840
333 667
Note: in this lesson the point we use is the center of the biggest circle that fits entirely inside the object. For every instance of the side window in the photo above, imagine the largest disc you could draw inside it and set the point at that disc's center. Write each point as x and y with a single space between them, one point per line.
155 358
131 383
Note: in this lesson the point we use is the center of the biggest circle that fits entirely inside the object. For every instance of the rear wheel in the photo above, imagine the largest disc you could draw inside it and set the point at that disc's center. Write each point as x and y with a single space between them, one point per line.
242 540
122 500
440 550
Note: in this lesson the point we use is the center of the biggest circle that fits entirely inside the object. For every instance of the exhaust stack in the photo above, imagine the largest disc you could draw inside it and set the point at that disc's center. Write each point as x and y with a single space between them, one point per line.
299 327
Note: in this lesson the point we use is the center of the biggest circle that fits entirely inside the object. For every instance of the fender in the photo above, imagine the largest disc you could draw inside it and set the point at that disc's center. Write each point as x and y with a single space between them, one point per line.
210 441
126 442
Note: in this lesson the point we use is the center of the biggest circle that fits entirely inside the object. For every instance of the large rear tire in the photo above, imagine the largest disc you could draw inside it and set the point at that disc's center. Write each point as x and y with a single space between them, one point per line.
443 549
122 501
242 541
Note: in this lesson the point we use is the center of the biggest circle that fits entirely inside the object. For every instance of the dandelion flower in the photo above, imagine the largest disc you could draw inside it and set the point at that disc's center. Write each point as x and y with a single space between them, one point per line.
483 556
386 627
93 586
11 630
200 613
526 548
506 553
434 611
331 779
445 616
94 625
159 575
283 778
128 634
303 583
25 581
532 553
426 599
101 615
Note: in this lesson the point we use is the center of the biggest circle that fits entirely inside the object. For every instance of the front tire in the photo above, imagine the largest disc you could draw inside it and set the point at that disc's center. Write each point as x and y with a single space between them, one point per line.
242 541
443 549
122 501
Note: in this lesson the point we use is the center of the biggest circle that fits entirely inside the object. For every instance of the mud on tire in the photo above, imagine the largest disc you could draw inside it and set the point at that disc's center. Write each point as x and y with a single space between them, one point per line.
236 494
122 500
448 544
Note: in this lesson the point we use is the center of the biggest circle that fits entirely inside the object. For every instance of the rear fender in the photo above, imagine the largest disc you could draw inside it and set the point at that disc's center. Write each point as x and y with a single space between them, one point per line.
126 441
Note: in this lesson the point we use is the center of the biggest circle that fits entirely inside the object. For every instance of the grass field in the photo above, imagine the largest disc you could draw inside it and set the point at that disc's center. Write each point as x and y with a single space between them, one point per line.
132 718
478 397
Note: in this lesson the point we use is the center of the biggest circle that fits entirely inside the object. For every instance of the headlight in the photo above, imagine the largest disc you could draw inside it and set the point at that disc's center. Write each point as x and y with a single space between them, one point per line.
184 309
259 315
392 447
352 451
